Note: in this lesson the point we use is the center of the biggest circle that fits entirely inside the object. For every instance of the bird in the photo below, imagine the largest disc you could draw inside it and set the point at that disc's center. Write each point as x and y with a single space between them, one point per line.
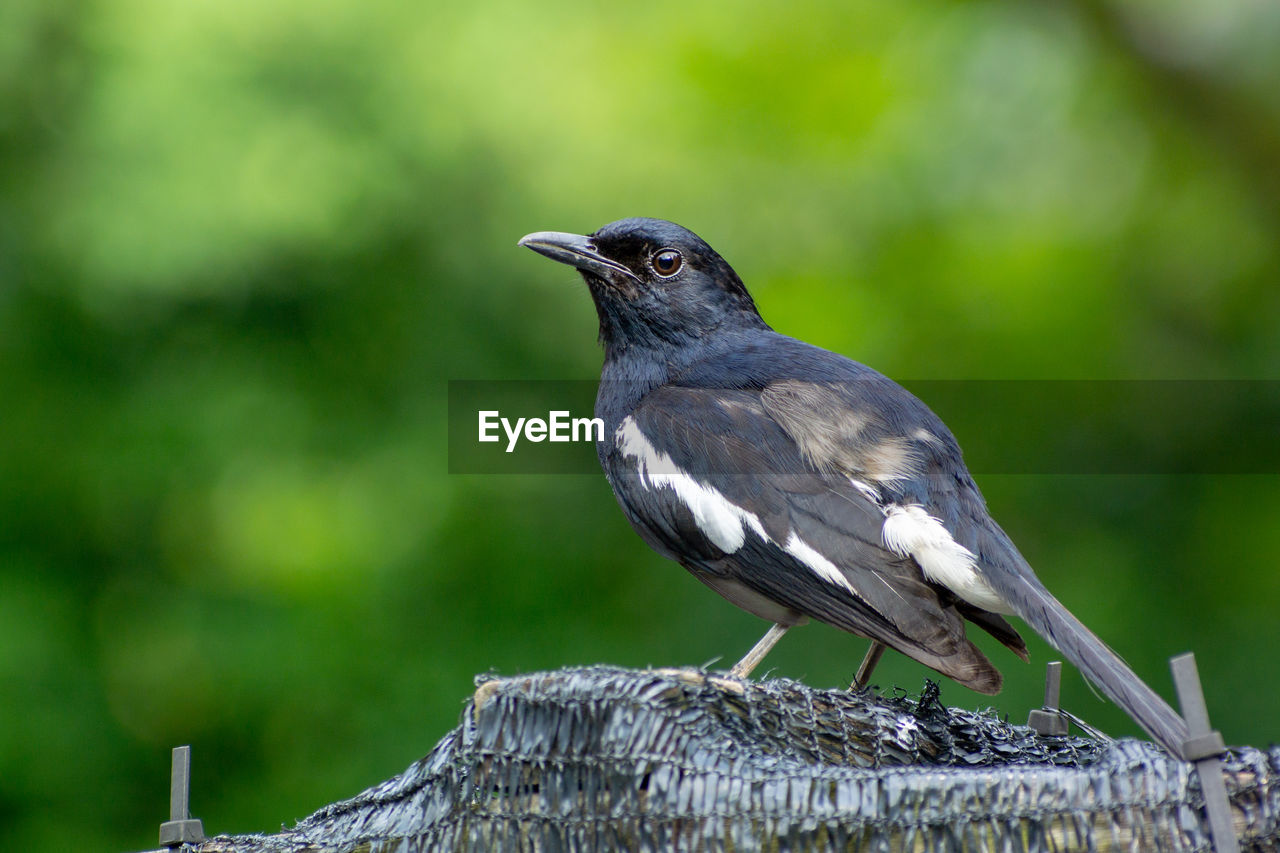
800 484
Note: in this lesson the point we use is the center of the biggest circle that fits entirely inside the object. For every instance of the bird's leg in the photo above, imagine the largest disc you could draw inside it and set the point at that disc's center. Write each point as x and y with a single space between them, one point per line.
743 668
869 661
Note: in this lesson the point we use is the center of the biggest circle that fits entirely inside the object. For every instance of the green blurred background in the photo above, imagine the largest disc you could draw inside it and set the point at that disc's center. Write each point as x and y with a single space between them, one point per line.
244 246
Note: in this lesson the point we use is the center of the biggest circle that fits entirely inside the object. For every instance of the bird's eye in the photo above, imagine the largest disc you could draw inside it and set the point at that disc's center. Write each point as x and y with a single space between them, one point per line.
666 263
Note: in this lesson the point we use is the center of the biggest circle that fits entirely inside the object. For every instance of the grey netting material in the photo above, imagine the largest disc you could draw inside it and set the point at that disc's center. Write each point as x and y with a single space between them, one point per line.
610 759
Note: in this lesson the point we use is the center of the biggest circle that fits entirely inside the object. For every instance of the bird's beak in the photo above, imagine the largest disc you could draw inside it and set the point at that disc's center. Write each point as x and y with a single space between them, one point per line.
574 250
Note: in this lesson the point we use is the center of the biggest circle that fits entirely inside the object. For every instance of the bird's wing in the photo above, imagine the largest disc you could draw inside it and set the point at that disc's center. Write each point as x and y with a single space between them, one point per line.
713 479
871 429
875 433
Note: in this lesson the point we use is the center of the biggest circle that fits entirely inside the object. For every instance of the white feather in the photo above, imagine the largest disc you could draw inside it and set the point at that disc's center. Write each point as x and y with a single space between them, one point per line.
821 566
867 491
912 532
720 519
717 517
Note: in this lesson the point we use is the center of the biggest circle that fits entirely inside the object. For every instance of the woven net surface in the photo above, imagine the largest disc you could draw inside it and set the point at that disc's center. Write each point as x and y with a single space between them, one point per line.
602 758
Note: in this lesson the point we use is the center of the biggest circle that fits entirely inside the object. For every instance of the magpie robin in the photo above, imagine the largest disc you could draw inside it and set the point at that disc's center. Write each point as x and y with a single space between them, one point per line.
800 484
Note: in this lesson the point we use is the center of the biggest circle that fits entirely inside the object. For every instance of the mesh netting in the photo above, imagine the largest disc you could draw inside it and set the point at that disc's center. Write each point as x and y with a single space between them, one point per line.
609 759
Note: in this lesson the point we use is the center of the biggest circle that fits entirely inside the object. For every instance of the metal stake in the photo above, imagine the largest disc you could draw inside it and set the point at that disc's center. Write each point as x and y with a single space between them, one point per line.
1203 747
180 828
1049 719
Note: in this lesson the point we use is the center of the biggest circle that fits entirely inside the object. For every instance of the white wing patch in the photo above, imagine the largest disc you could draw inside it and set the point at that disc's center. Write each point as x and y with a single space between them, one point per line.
823 567
720 519
912 532
716 516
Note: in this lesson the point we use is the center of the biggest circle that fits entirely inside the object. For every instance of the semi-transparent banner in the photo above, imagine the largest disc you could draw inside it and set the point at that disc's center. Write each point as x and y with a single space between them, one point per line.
1003 426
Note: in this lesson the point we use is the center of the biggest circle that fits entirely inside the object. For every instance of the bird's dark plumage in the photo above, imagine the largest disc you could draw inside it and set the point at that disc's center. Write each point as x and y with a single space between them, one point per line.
798 483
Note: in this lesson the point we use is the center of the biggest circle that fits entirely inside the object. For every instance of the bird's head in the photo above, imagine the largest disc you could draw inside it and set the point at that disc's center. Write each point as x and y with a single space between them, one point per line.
654 283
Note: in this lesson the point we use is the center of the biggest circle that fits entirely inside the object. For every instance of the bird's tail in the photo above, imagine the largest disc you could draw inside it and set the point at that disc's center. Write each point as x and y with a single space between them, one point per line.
1039 609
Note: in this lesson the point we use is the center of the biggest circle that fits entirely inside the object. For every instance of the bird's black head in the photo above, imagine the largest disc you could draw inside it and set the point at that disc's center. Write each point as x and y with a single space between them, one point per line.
655 284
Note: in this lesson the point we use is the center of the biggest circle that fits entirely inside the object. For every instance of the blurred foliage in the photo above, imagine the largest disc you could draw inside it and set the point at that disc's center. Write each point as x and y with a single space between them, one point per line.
243 247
